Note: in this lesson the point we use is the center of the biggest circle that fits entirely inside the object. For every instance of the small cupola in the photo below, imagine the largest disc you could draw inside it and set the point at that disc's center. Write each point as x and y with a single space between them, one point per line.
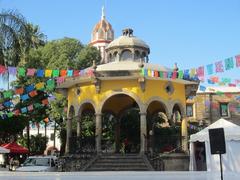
128 48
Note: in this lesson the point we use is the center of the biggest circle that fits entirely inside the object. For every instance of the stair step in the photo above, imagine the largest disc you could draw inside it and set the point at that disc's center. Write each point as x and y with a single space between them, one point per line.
118 169
119 162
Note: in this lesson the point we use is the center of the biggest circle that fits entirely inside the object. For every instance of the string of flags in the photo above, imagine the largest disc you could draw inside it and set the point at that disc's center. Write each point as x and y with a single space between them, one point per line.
23 94
198 74
47 73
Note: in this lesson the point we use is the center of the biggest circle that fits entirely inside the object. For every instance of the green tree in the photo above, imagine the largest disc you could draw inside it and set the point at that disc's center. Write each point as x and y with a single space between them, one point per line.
87 56
38 143
11 127
13 36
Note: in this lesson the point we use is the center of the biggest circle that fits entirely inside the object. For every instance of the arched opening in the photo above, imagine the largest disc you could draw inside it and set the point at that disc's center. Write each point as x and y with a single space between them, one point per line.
69 139
110 57
126 55
143 56
87 128
121 124
137 56
162 135
177 114
115 56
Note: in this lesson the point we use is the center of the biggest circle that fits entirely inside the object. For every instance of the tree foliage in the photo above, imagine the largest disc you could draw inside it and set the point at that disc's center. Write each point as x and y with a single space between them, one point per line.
38 143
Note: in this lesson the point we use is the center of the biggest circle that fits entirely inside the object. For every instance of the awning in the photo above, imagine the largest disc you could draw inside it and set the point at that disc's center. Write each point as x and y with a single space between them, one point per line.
4 150
15 148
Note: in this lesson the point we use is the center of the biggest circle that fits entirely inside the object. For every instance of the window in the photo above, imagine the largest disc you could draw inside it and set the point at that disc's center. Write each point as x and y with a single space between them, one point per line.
224 109
189 109
126 55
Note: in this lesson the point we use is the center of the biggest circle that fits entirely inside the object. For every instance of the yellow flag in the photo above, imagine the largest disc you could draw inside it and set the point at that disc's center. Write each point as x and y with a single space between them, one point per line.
48 73
39 86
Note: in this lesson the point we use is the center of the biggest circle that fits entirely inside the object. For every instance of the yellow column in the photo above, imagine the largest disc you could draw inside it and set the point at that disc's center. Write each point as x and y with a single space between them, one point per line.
143 132
69 135
79 126
98 132
184 133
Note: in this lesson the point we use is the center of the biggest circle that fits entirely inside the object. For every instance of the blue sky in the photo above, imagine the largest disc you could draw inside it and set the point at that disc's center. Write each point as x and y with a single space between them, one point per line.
189 32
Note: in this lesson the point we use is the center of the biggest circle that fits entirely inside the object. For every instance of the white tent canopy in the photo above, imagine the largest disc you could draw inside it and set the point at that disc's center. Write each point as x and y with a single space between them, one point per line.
4 150
231 160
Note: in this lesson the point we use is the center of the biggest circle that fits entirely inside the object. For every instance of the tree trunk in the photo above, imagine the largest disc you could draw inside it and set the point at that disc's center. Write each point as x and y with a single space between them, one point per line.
54 135
28 136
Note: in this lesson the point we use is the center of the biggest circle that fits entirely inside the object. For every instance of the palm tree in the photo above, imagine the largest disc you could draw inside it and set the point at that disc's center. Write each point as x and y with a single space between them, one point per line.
13 28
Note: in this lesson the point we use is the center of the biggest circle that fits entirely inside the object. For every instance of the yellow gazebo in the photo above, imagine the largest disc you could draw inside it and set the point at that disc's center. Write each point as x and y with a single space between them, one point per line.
119 85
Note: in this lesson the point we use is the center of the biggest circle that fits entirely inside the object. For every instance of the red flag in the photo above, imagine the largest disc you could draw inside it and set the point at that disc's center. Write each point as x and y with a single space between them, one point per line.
33 93
19 91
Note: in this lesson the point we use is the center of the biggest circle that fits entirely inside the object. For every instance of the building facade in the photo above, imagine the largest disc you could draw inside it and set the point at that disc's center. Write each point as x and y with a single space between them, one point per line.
214 103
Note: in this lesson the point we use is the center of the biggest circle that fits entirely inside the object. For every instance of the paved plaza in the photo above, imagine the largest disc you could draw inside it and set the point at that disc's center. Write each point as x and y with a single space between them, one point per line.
150 175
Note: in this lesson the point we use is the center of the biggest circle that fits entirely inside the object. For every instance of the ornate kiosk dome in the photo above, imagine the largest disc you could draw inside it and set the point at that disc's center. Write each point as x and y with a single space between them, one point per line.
102 30
127 48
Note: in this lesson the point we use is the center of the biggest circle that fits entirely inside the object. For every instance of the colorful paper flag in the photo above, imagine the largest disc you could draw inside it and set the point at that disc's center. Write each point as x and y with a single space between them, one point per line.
237 60
229 63
10 114
210 69
202 88
30 107
48 73
12 70
76 72
219 66
200 71
7 103
55 73
3 69
7 94
40 73
21 72
70 73
33 93
25 97
63 73
180 74
60 80
29 88
24 110
19 91
39 86
31 72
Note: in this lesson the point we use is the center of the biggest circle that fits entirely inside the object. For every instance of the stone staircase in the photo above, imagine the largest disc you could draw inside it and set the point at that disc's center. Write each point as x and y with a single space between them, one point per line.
119 162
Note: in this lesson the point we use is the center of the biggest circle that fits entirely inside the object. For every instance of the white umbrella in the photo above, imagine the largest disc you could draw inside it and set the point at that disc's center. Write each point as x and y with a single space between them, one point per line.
4 150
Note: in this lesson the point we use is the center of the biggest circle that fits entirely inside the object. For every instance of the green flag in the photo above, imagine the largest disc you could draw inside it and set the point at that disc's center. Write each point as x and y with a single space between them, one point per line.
21 72
55 73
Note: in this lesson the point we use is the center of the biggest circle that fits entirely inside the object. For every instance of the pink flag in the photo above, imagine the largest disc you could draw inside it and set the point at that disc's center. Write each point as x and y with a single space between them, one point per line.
31 72
3 69
60 80
200 71
232 85
219 66
30 107
237 60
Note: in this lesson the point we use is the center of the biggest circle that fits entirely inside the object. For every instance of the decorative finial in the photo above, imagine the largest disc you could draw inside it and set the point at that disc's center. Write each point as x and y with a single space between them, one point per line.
103 13
94 66
175 68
